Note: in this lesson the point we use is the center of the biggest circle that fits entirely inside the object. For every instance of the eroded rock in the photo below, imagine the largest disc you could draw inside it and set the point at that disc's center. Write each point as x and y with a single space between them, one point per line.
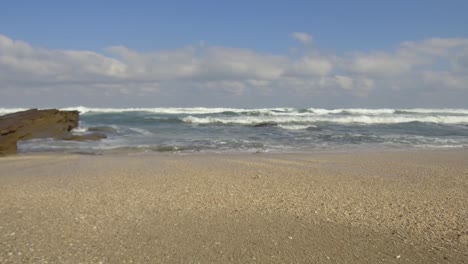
34 123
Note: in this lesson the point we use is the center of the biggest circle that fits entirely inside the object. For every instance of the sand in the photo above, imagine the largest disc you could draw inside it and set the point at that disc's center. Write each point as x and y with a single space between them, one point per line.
367 207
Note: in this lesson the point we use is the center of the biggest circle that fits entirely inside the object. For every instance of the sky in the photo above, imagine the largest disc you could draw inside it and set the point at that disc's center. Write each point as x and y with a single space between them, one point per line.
331 54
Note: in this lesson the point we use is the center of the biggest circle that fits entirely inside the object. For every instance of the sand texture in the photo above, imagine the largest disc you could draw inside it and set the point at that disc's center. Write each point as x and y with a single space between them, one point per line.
369 207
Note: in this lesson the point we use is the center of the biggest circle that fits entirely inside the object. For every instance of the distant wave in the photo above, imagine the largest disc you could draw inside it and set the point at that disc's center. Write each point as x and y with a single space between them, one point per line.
363 111
284 115
4 111
433 111
175 110
297 127
363 119
358 111
271 111
278 111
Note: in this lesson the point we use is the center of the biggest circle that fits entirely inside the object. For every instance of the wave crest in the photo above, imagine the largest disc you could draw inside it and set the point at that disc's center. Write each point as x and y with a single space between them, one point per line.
363 119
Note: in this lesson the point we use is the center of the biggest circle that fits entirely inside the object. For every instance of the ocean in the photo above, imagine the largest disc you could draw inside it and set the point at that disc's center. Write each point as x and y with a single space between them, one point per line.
198 129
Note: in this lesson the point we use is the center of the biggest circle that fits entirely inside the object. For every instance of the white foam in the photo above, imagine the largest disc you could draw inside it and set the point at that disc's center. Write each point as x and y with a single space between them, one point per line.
362 119
80 130
296 127
271 111
175 110
440 146
360 111
245 120
285 115
435 110
382 111
141 131
4 111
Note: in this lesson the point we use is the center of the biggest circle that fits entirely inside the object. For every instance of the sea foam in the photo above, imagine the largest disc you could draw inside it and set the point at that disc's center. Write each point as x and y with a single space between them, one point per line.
311 119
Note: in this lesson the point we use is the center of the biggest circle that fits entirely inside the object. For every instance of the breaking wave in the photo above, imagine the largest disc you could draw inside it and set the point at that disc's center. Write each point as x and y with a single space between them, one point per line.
267 111
278 111
4 111
176 110
342 119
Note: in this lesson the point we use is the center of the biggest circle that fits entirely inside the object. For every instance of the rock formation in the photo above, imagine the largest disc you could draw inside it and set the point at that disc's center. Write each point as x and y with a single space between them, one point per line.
50 123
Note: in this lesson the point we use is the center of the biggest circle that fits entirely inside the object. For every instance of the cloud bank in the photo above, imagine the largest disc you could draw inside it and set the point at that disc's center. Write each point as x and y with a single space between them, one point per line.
433 69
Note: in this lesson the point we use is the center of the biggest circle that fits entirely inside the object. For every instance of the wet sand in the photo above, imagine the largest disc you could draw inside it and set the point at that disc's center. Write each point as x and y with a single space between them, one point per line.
368 207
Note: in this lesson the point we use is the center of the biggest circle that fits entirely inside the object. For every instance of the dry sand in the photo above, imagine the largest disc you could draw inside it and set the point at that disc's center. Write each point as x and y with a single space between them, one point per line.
371 207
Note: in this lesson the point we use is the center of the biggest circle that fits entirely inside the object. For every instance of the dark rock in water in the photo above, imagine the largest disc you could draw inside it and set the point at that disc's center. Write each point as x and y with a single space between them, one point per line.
266 124
85 137
24 125
105 129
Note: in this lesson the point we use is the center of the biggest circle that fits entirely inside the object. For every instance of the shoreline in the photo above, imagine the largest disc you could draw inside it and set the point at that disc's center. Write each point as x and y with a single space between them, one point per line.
354 207
142 152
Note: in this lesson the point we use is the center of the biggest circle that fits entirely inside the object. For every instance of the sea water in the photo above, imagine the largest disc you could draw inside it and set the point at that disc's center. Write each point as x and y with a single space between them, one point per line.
202 129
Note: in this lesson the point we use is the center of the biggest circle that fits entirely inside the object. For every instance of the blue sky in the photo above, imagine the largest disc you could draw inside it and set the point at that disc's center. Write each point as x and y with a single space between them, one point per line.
339 26
347 42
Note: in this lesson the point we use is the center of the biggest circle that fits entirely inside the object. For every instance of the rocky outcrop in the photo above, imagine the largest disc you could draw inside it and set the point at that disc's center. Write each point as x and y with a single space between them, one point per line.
50 123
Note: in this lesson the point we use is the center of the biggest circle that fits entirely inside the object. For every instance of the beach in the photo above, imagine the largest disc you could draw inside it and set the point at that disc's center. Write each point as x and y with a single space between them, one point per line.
316 207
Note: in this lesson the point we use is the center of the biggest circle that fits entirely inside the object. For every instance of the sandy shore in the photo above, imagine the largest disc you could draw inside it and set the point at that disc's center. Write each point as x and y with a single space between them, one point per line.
370 207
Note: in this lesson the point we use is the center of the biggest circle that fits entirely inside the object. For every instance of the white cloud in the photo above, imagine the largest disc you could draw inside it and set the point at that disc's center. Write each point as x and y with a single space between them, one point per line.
344 82
240 63
307 66
302 37
432 46
21 62
380 64
446 79
230 87
435 63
